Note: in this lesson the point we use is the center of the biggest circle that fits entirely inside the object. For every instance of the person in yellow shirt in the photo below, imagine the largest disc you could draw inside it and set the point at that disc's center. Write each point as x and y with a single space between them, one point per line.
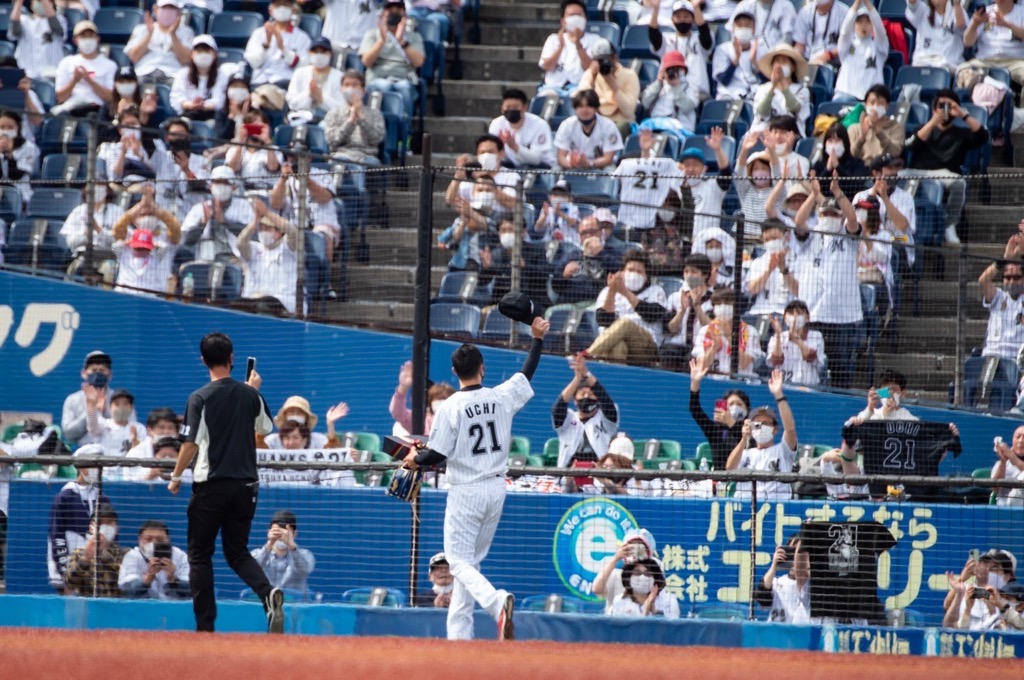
617 87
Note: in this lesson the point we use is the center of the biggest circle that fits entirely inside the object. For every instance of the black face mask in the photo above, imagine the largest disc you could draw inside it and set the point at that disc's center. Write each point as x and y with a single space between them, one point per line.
604 67
513 115
176 145
586 121
683 27
394 18
891 183
586 406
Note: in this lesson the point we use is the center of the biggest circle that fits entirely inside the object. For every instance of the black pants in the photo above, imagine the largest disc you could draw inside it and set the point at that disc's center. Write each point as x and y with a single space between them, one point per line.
226 506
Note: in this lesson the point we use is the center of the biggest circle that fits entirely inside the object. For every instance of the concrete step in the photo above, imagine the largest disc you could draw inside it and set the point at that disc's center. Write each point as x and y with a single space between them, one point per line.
494 13
499 53
457 134
932 334
931 372
518 33
992 223
390 315
389 282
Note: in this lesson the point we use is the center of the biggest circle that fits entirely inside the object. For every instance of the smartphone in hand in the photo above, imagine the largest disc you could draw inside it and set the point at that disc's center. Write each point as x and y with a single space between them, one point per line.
250 366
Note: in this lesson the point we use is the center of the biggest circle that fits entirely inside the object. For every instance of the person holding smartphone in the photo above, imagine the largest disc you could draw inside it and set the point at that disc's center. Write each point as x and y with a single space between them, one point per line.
788 595
154 568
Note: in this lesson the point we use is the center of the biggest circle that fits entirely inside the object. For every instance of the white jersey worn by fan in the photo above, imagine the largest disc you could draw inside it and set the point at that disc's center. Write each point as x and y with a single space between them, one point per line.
644 184
473 430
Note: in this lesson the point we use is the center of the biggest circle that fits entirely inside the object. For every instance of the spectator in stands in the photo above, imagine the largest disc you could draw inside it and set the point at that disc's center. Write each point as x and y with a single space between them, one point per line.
527 136
84 80
181 174
97 370
816 39
92 569
1005 331
18 156
775 26
490 156
161 424
558 217
789 596
894 384
127 94
347 21
631 312
693 46
391 54
436 10
197 91
780 143
689 310
878 134
785 93
940 28
939 149
587 140
713 344
838 158
753 182
1009 465
797 351
644 593
897 214
784 209
467 235
965 610
274 51
442 582
670 95
161 45
620 457
838 463
637 544
354 131
580 274
836 310
724 431
271 261
296 410
583 434
567 53
286 564
874 255
863 49
733 65
1008 602
212 227
720 248
39 36
120 432
316 86
128 158
254 158
700 188
72 514
617 87
995 34
238 102
496 261
145 262
761 427
608 222
646 182
154 568
769 281
436 394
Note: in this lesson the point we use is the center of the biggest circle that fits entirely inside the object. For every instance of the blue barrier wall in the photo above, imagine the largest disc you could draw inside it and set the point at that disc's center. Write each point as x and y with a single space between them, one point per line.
550 543
155 348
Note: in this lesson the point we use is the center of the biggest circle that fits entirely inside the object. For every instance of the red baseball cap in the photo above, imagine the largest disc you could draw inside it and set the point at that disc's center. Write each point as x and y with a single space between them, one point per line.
141 238
673 59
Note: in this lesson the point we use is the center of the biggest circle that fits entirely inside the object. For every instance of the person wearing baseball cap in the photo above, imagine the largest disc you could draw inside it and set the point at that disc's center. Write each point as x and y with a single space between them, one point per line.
211 227
863 46
695 46
965 608
391 54
119 433
700 188
442 583
637 545
617 87
775 22
91 401
733 64
84 80
316 86
669 94
162 45
197 92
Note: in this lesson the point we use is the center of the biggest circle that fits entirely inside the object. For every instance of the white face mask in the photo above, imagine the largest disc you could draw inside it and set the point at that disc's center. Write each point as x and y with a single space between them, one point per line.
737 412
761 179
268 240
634 280
488 161
763 436
641 584
131 134
837 148
280 546
100 193
997 581
774 246
482 201
787 70
831 223
780 149
202 60
822 3
281 15
799 321
350 94
108 532
221 192
126 89
723 312
443 590
38 8
576 22
877 109
508 241
147 551
237 94
9 134
92 475
693 182
666 215
88 45
436 404
714 254
301 420
319 59
744 35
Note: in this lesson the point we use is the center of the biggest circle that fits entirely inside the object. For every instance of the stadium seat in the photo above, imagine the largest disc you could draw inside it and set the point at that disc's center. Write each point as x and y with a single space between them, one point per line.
454 319
465 287
115 24
560 604
258 6
704 453
617 15
10 204
498 328
234 29
734 117
63 135
667 449
214 281
433 45
646 70
806 147
380 597
37 243
315 139
607 30
69 168
977 160
47 93
599 188
635 44
352 61
54 203
551 452
931 79
196 18
116 54
572 328
6 48
728 148
670 284
669 145
311 24
894 10
552 108
230 55
5 18
991 381
361 441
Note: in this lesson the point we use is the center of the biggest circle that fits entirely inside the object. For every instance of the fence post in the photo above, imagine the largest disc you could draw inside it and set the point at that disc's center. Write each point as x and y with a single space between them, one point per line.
517 252
961 326
737 285
302 217
92 136
96 532
752 576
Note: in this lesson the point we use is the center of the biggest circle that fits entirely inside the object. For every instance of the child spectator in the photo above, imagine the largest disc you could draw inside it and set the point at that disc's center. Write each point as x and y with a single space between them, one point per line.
40 37
713 345
567 53
797 351
689 310
863 49
559 217
940 28
671 94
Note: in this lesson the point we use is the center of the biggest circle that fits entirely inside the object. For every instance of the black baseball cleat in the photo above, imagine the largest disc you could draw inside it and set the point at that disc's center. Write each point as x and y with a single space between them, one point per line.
506 629
275 611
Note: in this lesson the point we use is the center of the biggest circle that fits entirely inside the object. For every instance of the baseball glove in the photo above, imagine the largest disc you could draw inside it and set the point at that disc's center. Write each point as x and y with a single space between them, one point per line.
405 484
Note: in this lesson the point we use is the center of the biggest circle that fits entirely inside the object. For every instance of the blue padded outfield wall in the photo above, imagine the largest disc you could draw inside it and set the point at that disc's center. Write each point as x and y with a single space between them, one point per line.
47 327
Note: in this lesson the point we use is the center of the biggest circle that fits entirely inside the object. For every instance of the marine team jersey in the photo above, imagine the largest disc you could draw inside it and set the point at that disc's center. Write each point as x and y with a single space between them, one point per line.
473 429
644 186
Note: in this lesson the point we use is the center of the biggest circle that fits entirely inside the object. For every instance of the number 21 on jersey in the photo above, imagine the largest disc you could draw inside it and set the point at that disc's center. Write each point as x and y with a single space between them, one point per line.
479 437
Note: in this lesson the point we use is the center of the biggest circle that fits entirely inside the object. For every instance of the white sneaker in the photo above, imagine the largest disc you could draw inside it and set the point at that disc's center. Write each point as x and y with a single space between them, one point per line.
951 239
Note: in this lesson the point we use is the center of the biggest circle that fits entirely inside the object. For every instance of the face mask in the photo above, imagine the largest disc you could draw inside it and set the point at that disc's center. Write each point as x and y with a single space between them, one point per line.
221 192
780 149
737 412
237 94
436 404
837 148
693 182
587 405
202 60
634 281
862 216
788 212
1015 290
166 16
108 532
723 312
100 193
641 584
763 436
9 134
488 161
38 9
319 60
88 45
798 322
301 420
280 546
121 414
92 475
147 551
789 320
666 215
714 254
482 201
761 179
604 67
787 70
878 110
394 19
443 590
131 134
281 15
556 201
831 223
744 35
822 3
508 241
513 115
126 89
997 581
267 240
683 27
774 246
693 282
576 23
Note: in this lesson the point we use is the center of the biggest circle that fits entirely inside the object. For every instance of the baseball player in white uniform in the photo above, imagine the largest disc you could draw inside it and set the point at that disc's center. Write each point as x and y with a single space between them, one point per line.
472 431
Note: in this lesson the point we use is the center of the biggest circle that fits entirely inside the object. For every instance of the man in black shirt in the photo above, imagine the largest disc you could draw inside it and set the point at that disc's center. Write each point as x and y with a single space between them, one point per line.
939 148
221 422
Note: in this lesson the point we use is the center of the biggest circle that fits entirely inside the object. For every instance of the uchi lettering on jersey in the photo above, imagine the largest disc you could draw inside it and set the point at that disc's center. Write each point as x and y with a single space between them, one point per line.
484 409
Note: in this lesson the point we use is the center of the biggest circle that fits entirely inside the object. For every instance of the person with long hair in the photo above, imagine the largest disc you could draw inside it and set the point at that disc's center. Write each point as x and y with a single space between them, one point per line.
198 88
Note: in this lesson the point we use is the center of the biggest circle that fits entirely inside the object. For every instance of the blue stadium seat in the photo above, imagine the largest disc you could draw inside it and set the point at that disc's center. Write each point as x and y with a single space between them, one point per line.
10 204
551 108
734 117
316 141
931 79
636 44
894 10
115 24
311 24
895 60
47 93
465 287
825 76
6 48
670 145
917 116
54 203
5 18
258 6
38 243
607 30
599 188
572 329
352 61
498 327
116 54
433 46
69 168
234 29
670 284
977 160
805 147
214 281
196 18
1000 376
62 135
454 319
72 17
728 147
646 71
230 55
